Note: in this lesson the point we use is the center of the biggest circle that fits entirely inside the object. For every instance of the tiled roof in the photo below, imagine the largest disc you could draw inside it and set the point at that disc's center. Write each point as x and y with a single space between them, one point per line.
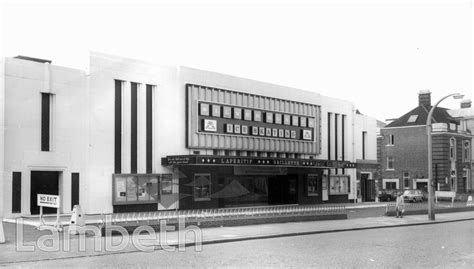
439 115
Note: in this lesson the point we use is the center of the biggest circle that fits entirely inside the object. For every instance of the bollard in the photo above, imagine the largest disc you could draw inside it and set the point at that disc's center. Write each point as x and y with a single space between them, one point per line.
77 220
2 232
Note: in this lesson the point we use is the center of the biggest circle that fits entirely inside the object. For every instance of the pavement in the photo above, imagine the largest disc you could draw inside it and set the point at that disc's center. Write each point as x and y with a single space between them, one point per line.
26 245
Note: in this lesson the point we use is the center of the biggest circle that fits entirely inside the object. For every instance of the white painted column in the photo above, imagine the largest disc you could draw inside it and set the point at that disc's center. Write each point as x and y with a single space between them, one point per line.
155 145
25 191
126 127
141 130
339 137
65 187
332 139
3 190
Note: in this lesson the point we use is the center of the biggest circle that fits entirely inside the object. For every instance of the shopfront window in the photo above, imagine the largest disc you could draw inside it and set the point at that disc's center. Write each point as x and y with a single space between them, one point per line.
202 187
339 184
166 184
312 185
135 189
243 190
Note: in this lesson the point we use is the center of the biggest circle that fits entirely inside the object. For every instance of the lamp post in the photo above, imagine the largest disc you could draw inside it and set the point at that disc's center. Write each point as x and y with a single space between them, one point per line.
431 213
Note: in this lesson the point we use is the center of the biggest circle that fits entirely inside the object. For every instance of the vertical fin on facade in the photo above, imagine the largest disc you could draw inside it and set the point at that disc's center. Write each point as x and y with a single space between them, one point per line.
118 127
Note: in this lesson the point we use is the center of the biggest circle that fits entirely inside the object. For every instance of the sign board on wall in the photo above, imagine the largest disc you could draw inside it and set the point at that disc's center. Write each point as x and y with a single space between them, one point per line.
254 161
218 118
228 120
48 200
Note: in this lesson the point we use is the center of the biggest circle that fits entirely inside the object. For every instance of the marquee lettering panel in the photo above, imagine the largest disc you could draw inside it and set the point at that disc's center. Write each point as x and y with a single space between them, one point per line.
230 120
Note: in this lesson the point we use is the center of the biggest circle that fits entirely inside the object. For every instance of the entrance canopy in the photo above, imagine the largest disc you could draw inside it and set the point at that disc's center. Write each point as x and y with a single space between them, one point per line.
178 160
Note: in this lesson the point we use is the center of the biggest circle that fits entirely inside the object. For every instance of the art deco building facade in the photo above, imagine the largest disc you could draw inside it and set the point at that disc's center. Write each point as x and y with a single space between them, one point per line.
130 135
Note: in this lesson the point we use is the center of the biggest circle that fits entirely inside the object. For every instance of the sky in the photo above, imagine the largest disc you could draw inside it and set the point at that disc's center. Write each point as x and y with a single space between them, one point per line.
376 54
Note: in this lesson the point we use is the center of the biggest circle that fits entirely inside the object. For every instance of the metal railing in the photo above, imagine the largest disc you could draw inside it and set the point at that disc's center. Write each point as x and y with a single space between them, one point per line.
199 215
390 207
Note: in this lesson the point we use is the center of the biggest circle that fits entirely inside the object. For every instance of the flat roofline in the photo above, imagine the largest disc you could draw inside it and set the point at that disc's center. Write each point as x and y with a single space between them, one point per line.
27 58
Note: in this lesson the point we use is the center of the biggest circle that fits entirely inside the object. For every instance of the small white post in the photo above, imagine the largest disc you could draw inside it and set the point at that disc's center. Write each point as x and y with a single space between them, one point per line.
57 220
41 219
2 232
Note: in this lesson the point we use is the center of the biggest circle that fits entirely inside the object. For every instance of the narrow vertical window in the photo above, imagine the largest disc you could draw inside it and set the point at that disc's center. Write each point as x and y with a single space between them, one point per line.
390 139
45 121
390 162
16 192
364 141
467 151
452 149
118 127
74 189
406 180
149 129
134 127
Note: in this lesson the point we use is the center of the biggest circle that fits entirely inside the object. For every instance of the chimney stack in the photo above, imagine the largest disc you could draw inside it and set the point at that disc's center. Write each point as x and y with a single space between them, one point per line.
424 98
466 103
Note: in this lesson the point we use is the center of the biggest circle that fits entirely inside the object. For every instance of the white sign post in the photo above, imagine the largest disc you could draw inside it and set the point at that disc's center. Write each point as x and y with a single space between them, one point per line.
47 200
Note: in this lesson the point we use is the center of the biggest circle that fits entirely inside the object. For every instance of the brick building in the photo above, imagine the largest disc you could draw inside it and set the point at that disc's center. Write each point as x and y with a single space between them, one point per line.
403 149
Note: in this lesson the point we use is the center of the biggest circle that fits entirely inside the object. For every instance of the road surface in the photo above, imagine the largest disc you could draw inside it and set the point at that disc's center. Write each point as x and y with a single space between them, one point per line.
447 245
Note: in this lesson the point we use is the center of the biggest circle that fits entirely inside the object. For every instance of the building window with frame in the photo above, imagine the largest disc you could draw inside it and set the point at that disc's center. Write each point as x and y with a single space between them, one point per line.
390 140
465 177
202 187
390 184
312 185
452 149
339 184
390 163
406 180
466 152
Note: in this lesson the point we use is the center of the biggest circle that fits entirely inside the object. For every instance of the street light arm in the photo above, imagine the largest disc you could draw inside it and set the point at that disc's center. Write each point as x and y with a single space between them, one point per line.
430 115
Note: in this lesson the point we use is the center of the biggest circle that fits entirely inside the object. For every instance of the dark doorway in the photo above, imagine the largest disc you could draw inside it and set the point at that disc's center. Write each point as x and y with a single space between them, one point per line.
283 189
367 188
43 182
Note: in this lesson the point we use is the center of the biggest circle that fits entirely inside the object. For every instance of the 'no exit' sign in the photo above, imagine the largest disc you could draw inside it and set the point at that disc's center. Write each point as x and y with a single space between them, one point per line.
47 200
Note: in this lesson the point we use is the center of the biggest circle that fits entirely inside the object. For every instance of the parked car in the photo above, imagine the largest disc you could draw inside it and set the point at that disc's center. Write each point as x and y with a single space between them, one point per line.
413 196
387 195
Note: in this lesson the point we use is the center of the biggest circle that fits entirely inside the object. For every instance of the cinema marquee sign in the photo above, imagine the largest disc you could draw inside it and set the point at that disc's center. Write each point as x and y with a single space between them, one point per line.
252 161
226 119
233 120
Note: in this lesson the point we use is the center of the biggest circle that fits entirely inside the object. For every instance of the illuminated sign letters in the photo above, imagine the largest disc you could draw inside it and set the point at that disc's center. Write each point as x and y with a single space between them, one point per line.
307 135
210 125
229 128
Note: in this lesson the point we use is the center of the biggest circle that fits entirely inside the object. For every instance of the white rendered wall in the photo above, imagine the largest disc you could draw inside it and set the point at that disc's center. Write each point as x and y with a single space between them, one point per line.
24 83
367 124
83 122
4 194
168 121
